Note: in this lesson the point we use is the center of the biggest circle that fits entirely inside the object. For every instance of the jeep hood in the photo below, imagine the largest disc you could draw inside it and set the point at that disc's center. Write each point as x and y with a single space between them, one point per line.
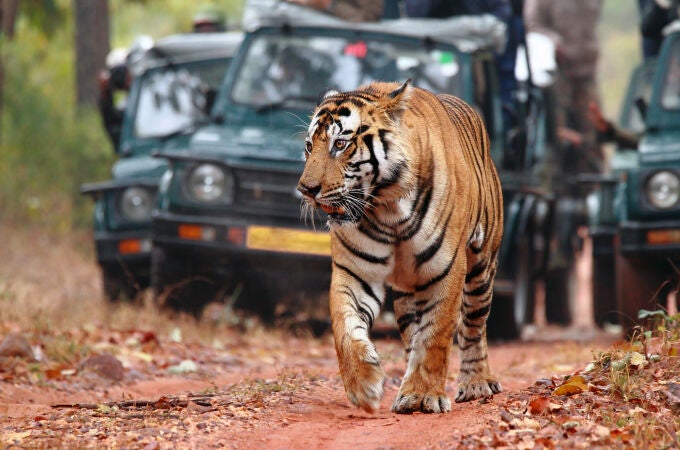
245 144
142 164
660 147
139 167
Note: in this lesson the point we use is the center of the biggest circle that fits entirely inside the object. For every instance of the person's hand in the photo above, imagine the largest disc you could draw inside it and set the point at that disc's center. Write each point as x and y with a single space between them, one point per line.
104 80
595 115
569 136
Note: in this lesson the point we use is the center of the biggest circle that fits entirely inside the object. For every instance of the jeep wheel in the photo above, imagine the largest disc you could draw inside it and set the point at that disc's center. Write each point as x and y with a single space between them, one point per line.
510 312
560 294
604 290
119 285
259 296
176 287
640 284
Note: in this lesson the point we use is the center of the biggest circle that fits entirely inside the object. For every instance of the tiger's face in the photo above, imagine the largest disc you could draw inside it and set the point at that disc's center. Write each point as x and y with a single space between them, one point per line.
352 152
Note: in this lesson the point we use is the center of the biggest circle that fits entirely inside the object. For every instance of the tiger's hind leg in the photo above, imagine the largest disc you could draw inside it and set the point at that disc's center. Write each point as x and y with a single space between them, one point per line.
475 379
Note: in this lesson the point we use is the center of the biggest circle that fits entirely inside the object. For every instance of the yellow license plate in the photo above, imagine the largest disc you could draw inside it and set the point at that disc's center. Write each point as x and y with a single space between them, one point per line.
287 240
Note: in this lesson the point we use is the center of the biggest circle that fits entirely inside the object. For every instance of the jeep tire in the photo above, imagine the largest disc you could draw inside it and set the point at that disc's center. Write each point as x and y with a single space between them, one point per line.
176 287
560 294
640 284
604 290
119 284
510 312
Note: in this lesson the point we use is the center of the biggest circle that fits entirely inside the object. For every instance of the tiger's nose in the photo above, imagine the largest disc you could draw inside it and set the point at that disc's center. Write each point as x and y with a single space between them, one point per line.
309 191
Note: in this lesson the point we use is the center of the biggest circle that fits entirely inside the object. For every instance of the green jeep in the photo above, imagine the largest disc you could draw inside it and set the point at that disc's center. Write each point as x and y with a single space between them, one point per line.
174 83
635 216
229 214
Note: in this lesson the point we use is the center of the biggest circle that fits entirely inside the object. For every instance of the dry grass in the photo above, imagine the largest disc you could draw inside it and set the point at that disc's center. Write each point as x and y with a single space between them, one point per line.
50 285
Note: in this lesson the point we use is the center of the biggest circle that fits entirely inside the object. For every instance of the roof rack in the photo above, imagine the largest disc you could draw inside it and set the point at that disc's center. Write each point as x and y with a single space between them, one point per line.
468 33
179 48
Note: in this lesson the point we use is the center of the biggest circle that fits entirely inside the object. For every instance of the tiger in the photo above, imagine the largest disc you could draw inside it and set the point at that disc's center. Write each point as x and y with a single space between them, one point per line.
415 215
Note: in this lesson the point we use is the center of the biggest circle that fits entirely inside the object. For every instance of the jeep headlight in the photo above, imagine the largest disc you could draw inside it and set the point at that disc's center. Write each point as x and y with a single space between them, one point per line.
210 183
136 204
663 189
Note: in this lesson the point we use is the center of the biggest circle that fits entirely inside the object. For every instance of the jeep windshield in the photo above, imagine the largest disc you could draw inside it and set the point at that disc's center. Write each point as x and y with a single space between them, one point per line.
670 96
292 69
174 98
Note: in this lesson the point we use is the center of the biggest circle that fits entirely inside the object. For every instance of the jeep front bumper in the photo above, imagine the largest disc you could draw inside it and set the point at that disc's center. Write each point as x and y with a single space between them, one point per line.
654 239
229 245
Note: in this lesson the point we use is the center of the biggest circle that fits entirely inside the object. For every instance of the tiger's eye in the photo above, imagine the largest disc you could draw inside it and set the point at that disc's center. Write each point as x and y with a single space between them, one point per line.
308 146
340 144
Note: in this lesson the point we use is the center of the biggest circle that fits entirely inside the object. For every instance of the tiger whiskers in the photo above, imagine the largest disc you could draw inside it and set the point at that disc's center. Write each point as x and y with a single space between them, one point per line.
356 206
307 214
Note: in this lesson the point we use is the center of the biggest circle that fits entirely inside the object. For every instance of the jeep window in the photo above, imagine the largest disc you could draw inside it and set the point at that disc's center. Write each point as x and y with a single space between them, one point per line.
173 98
280 68
670 96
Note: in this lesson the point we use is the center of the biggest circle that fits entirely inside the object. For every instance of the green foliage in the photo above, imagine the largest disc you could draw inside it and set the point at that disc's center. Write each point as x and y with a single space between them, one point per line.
620 52
44 15
47 147
158 18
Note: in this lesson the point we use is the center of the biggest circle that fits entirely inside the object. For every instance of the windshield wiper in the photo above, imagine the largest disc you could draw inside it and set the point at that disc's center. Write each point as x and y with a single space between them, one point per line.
279 104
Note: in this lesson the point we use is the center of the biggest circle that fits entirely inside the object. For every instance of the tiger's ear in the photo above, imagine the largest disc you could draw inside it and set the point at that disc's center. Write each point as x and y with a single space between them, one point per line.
394 103
324 94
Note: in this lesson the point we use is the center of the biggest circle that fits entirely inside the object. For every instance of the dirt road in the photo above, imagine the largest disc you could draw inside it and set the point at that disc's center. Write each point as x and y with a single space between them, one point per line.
92 375
266 390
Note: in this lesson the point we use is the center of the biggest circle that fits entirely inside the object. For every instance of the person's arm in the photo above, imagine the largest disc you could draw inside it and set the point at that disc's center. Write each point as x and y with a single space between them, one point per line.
537 18
610 131
656 16
112 117
360 11
353 11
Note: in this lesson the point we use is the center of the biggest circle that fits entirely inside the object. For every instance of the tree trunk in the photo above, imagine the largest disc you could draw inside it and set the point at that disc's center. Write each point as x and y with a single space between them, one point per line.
8 15
92 46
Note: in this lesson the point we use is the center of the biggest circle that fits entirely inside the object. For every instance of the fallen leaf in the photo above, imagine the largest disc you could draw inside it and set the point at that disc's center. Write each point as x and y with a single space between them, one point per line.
571 424
637 359
176 335
539 406
184 367
602 431
525 423
574 385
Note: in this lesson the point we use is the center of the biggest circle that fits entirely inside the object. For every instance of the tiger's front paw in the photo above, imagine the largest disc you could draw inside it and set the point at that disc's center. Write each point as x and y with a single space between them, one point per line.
407 403
364 378
477 388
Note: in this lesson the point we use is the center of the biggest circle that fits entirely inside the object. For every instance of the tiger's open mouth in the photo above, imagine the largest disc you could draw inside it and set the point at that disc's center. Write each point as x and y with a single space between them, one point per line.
333 209
337 213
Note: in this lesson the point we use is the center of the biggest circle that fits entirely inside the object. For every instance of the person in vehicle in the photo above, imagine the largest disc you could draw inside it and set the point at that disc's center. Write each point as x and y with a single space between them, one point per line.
572 26
209 19
609 131
656 15
505 11
351 10
114 83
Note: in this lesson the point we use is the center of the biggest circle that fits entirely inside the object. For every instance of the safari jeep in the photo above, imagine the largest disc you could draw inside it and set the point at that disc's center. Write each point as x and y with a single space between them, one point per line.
645 206
603 218
170 95
229 216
